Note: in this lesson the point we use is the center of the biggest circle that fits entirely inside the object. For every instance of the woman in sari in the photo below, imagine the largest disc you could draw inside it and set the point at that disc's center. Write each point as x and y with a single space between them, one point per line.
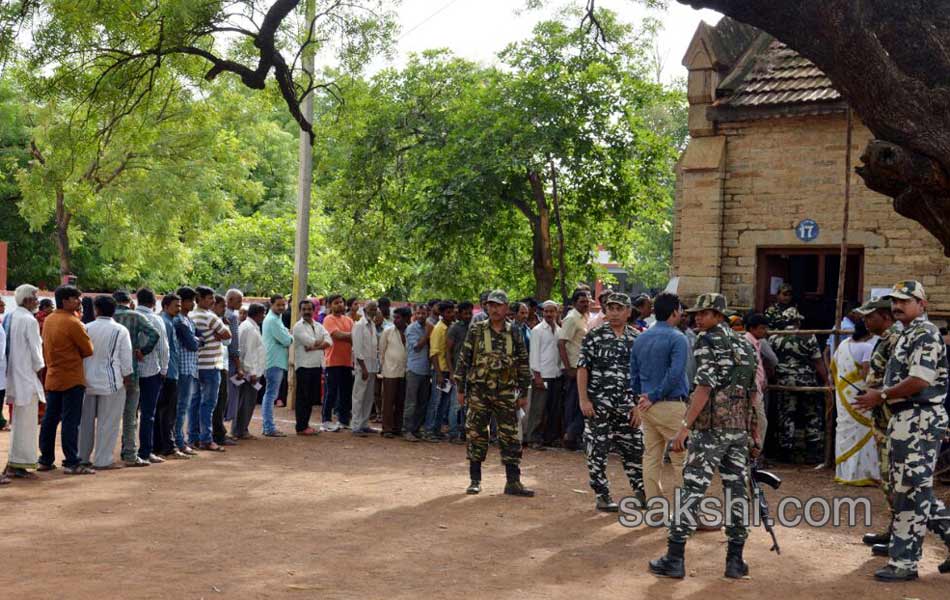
856 461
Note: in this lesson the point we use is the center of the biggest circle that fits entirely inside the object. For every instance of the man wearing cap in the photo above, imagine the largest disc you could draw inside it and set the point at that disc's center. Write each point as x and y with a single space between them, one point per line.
721 425
603 385
879 320
915 387
493 374
799 361
783 302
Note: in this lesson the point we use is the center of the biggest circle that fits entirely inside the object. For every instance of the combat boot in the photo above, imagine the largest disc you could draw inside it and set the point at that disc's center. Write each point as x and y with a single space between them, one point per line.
672 563
880 550
606 504
514 487
871 539
892 573
475 472
736 568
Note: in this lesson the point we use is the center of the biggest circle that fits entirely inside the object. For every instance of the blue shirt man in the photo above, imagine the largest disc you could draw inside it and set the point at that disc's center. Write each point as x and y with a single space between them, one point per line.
658 381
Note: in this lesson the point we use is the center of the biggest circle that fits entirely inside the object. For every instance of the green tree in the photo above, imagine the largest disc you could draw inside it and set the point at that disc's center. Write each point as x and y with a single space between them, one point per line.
556 144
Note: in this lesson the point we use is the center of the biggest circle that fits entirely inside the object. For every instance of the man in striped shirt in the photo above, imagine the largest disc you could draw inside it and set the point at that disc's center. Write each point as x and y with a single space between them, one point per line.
211 331
144 339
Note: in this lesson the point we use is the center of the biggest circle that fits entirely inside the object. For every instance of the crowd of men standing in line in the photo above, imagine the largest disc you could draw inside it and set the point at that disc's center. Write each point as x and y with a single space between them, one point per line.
168 379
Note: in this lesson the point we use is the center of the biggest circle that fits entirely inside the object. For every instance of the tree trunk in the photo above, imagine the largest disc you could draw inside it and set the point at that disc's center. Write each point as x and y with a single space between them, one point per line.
562 264
890 61
541 238
61 234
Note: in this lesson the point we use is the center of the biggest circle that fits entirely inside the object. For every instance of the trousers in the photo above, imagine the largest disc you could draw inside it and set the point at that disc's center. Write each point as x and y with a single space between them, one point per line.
100 426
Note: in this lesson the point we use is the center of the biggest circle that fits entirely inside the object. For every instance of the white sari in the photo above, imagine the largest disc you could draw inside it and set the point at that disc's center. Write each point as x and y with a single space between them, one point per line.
856 459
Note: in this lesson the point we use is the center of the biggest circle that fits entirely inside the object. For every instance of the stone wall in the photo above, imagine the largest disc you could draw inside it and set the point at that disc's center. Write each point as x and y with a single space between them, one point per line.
775 173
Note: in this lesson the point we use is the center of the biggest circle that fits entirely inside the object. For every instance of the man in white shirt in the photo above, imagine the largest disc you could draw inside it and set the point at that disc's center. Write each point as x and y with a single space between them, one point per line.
310 340
542 426
253 363
107 372
393 358
365 349
152 369
24 389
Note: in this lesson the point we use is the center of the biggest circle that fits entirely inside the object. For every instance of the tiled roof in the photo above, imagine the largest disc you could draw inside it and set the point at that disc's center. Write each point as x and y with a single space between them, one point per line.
777 76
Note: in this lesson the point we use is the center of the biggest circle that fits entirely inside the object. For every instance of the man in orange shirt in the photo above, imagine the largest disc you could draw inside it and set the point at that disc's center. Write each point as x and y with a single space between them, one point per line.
65 345
338 363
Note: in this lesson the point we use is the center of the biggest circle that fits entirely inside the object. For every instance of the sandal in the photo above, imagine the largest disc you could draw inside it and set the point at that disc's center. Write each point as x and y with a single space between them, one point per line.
79 470
24 474
275 433
211 447
308 431
43 468
111 467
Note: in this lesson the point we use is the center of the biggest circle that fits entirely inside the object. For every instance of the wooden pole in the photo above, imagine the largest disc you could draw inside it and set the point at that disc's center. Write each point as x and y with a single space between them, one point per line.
839 301
304 184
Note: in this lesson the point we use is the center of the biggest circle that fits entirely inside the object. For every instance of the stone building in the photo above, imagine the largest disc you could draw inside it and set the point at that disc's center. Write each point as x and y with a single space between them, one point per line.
760 188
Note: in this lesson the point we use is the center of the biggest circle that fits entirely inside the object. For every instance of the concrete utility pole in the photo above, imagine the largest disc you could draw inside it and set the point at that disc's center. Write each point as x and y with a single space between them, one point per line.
304 183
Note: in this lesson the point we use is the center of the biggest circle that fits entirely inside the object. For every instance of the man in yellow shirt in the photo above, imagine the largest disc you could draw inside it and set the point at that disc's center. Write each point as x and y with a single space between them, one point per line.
443 389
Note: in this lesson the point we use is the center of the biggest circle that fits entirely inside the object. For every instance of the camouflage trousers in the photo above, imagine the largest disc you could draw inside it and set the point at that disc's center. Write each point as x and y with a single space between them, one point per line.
914 436
481 405
711 449
801 407
882 417
608 425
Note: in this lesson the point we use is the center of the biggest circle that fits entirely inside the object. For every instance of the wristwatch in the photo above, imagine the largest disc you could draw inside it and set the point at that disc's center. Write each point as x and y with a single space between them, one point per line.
883 395
685 424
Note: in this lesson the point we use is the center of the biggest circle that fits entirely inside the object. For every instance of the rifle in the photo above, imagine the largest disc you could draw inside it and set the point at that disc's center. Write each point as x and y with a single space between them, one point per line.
772 480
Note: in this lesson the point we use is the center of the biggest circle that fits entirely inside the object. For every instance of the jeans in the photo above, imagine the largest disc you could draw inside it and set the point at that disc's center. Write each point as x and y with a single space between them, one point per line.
417 400
166 411
438 409
149 390
573 418
65 406
218 431
274 376
339 394
130 421
209 383
186 391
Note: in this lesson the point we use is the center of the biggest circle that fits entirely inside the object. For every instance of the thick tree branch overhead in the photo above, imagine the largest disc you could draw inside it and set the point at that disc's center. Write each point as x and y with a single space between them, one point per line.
891 61
122 46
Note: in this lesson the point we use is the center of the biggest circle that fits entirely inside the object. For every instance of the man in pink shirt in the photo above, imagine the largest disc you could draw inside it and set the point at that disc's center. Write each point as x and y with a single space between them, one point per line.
338 364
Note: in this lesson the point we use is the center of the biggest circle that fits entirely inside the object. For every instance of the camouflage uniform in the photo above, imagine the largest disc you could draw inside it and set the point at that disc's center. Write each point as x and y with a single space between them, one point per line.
914 433
492 371
796 367
776 313
726 363
607 358
883 350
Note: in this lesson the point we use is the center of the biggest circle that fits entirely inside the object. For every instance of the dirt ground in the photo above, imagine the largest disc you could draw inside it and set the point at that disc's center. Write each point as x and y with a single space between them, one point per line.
343 517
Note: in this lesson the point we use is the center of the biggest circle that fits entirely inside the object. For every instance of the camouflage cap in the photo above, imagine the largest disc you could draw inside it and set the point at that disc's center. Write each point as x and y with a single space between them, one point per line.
497 297
872 305
716 302
905 290
791 314
618 298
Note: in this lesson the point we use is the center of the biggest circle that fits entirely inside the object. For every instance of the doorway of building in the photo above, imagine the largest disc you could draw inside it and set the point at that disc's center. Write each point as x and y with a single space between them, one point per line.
813 273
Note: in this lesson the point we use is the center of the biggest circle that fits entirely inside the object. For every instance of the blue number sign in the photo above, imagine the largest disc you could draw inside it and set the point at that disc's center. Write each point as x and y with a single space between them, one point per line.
807 230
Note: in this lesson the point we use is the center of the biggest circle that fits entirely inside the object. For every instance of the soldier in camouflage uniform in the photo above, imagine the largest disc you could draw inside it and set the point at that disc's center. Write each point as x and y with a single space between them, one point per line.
880 321
603 384
915 386
799 364
783 302
720 423
492 373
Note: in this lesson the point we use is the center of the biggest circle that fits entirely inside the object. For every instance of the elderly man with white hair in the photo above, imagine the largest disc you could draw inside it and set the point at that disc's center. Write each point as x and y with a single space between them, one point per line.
24 388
